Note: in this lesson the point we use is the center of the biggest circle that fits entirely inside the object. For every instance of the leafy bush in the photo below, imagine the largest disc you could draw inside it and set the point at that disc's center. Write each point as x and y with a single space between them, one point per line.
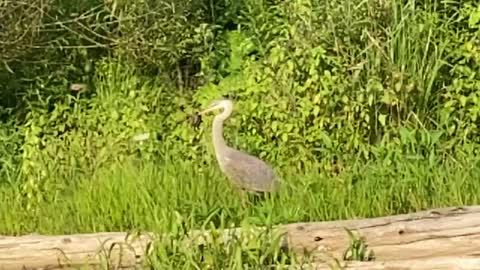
315 83
316 80
460 108
10 143
63 40
77 135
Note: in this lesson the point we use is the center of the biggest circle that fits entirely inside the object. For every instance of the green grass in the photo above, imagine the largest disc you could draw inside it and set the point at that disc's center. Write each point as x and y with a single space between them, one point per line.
127 197
166 197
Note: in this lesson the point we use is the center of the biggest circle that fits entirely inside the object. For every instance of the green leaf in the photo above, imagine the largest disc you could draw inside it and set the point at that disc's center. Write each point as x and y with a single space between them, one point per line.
474 18
463 100
326 140
382 118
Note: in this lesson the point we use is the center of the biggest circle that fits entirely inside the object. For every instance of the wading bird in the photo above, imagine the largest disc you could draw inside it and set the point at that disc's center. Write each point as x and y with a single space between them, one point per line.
246 172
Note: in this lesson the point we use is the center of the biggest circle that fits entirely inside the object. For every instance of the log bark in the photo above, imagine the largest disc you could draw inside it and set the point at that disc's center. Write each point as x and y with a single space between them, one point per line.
432 233
97 250
437 263
433 239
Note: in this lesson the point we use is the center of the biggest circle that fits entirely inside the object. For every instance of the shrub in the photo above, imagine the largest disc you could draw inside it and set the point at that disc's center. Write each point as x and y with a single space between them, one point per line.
316 80
315 83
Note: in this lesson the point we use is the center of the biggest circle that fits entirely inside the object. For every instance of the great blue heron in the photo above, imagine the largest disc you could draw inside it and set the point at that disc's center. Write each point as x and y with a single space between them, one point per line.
246 172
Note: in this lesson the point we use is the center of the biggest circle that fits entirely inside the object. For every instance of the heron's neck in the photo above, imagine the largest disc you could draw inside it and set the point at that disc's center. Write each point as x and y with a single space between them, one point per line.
218 140
217 131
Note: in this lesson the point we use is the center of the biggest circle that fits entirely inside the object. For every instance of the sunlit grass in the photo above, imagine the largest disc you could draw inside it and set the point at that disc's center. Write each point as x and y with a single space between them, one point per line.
150 196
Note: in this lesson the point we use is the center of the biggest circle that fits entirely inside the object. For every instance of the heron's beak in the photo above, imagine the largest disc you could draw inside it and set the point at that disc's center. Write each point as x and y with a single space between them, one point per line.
211 108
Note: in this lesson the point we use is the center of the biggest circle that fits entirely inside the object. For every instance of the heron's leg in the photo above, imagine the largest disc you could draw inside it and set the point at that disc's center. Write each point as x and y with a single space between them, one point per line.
244 199
241 194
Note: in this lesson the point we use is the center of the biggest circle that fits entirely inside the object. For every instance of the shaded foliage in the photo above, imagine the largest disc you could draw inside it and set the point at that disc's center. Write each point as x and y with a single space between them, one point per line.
314 82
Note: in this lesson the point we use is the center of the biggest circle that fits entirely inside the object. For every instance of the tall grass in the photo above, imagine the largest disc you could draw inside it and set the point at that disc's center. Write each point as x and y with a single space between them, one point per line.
149 196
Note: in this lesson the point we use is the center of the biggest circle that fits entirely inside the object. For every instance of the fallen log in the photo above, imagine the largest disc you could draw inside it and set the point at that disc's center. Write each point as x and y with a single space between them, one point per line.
96 250
438 232
437 263
437 236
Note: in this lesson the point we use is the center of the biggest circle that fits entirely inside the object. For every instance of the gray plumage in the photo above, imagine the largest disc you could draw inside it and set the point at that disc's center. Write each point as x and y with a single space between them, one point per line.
244 171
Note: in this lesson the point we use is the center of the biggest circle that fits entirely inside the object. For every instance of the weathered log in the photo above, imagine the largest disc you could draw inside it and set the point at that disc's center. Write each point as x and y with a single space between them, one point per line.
426 234
400 240
437 263
117 250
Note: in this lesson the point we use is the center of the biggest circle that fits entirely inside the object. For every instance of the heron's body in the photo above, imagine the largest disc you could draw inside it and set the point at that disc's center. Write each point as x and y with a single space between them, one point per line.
247 172
244 171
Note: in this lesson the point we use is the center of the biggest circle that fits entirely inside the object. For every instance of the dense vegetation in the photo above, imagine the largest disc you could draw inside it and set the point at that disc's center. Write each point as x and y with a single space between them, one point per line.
365 108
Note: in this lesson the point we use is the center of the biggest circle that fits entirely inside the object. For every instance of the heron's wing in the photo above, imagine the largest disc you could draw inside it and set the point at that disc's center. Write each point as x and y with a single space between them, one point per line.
248 171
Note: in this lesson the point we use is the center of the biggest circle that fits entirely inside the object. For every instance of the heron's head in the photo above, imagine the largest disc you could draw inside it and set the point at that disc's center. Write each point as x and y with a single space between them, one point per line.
224 104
